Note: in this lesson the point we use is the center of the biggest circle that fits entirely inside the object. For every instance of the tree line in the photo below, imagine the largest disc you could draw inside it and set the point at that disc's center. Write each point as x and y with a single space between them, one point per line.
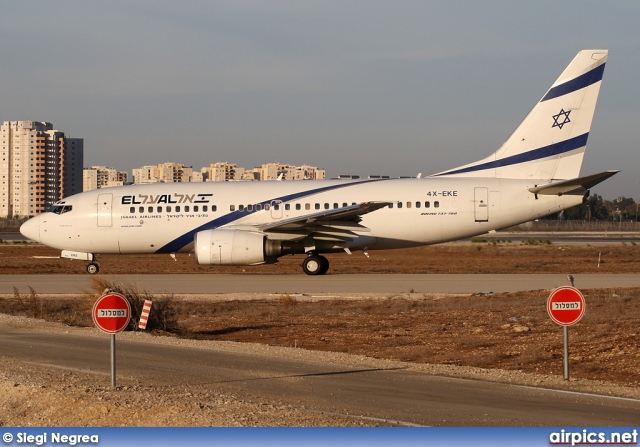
597 208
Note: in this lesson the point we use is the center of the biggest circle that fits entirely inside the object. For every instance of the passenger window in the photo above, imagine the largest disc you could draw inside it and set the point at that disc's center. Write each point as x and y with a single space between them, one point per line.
335 206
159 209
195 208
232 208
259 207
418 204
298 206
141 209
427 204
391 205
178 209
317 206
267 207
205 208
287 207
186 208
249 208
399 204
326 206
276 206
214 208
240 207
132 209
168 209
307 206
345 205
408 204
150 209
436 204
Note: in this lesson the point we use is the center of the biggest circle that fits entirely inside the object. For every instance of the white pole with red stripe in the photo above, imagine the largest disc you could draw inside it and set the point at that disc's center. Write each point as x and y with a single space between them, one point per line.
144 316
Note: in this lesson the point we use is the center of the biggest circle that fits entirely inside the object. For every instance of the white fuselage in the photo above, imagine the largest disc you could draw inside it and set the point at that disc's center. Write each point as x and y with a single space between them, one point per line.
163 218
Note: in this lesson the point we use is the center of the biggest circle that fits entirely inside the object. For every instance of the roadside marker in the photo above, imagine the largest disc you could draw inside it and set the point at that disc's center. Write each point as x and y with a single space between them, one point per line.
144 316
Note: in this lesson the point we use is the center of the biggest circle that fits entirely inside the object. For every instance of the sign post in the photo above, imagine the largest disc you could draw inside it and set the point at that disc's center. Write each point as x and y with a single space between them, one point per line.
566 307
111 314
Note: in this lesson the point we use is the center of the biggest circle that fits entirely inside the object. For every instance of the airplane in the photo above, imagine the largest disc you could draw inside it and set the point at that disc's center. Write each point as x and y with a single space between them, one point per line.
533 174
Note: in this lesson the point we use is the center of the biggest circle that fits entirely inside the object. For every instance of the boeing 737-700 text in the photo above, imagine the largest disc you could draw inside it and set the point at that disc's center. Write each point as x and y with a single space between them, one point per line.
535 173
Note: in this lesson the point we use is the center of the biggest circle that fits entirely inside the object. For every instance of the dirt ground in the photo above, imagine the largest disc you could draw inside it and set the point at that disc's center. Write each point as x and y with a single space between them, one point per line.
504 331
535 256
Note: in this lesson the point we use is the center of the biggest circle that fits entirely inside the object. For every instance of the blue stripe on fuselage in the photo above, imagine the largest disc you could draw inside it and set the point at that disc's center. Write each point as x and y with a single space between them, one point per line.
582 81
536 154
188 237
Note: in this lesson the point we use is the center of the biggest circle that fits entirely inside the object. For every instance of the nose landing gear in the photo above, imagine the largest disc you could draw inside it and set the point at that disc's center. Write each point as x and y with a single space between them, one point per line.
93 268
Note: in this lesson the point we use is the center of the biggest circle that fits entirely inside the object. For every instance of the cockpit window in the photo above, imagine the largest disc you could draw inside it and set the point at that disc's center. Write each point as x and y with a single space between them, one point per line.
60 209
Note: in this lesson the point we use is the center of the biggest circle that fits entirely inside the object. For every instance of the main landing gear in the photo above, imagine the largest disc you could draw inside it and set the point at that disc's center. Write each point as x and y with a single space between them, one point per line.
314 264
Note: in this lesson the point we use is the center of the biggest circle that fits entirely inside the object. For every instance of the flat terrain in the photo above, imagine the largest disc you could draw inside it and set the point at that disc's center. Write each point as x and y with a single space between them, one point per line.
532 256
503 334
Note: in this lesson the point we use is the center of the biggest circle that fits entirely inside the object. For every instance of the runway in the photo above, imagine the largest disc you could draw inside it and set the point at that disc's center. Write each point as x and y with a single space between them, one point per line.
360 283
394 394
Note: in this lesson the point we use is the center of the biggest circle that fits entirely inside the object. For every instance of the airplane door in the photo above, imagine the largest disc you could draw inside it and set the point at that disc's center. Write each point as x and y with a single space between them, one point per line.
104 210
481 204
276 209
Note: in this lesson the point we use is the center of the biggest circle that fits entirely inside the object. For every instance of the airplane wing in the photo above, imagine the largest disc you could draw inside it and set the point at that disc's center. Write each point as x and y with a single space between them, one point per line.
336 225
576 186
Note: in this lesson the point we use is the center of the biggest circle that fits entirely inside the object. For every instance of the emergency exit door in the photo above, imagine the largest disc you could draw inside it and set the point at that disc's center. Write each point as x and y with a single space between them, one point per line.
481 204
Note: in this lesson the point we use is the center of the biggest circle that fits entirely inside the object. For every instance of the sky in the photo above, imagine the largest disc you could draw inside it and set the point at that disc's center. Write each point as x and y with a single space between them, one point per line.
351 86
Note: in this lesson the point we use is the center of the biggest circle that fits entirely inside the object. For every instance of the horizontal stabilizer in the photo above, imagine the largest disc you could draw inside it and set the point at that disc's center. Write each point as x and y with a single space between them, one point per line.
573 186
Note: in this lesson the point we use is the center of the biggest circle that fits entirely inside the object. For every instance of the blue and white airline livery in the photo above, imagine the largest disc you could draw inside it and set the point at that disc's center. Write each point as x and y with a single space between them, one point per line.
536 172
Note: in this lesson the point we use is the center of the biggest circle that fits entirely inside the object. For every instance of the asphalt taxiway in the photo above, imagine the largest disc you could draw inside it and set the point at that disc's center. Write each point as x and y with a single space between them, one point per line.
383 392
359 283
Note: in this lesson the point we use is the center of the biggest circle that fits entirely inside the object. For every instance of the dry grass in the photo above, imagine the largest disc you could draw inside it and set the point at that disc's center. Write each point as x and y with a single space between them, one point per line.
163 317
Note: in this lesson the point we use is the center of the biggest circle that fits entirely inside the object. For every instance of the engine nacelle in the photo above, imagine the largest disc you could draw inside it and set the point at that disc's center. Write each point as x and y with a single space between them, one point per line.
230 247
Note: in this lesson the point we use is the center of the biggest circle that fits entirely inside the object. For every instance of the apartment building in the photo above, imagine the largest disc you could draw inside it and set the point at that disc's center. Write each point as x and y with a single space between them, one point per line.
97 177
163 173
40 166
271 171
224 172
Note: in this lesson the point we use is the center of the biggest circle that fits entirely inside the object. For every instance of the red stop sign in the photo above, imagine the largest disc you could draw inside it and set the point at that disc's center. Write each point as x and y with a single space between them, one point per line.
111 313
566 306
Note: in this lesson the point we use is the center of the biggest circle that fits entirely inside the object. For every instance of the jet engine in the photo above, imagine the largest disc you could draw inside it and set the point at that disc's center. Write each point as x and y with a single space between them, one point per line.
234 247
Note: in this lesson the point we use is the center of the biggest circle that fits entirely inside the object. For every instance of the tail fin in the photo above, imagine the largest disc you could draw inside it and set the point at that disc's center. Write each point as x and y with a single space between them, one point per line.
550 143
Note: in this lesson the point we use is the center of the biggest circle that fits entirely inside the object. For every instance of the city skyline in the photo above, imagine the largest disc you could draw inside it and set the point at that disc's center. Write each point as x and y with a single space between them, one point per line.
356 87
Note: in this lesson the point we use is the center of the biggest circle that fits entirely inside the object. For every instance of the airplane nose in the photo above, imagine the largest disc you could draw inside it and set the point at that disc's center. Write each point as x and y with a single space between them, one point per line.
31 229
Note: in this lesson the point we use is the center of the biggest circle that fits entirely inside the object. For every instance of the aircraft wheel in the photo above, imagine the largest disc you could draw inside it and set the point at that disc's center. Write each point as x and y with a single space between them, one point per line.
325 265
315 265
93 268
